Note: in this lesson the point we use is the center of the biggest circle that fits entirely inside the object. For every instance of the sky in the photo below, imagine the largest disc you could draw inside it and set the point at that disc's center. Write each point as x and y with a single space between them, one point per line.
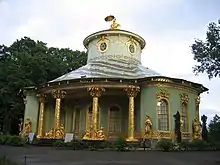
168 26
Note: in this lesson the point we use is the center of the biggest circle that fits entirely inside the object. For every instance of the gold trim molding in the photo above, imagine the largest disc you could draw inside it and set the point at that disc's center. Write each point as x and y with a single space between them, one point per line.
184 98
163 94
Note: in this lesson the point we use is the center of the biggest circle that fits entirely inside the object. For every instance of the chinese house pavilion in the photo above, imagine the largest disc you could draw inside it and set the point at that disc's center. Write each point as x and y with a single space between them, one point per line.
112 96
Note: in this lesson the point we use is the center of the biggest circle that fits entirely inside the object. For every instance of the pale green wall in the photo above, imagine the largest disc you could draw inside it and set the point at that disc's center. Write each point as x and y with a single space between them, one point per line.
31 110
148 105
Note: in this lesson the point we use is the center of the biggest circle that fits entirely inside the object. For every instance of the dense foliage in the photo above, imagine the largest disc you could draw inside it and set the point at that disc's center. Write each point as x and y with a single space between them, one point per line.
214 129
207 53
29 63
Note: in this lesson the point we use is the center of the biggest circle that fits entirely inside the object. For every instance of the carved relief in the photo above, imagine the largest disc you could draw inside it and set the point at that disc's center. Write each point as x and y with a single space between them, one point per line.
58 94
132 90
163 94
102 44
95 91
184 98
197 100
42 97
131 45
162 134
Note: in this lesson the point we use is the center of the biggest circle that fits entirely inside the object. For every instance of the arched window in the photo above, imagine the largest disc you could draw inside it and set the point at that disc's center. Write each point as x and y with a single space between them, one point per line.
184 117
114 125
163 115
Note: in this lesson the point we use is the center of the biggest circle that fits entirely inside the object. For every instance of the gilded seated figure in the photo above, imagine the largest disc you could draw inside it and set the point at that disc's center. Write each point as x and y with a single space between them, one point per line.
148 127
50 133
88 134
27 127
100 134
60 132
196 129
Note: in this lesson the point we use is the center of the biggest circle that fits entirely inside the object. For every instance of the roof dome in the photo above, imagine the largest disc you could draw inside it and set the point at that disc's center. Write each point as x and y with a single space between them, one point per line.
112 53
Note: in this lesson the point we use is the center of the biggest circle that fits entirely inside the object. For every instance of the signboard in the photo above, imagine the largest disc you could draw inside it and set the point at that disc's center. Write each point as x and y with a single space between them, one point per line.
68 137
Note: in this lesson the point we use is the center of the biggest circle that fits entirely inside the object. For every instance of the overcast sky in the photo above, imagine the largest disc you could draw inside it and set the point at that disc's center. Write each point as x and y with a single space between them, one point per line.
168 26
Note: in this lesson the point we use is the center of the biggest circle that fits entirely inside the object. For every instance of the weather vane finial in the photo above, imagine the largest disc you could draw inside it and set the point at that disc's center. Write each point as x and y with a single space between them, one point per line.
112 18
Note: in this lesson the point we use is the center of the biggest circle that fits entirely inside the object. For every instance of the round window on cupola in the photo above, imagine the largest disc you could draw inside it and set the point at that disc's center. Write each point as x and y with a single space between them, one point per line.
131 48
103 46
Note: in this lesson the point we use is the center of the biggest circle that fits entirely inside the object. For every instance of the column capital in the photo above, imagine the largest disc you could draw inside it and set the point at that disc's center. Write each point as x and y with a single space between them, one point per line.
95 91
42 97
132 90
58 94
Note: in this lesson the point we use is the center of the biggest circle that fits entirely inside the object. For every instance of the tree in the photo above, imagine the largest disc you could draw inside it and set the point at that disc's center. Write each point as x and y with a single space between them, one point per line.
30 63
207 53
214 128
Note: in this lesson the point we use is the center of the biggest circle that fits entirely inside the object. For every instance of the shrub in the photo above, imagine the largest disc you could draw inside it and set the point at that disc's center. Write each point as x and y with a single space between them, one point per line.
199 145
4 139
165 145
184 145
121 144
15 141
76 144
59 143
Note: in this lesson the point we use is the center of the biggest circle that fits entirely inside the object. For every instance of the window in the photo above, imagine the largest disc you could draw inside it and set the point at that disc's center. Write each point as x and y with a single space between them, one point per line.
184 117
114 125
162 112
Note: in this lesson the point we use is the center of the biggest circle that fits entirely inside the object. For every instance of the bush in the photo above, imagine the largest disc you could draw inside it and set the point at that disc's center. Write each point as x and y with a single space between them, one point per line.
165 145
14 141
76 144
4 139
121 144
199 145
184 145
59 143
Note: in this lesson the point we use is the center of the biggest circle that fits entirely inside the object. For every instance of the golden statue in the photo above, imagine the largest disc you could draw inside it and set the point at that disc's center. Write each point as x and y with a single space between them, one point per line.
197 130
50 133
88 134
27 127
100 134
60 132
148 127
112 18
181 125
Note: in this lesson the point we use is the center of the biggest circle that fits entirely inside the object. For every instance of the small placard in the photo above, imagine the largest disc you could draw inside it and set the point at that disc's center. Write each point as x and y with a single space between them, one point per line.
68 137
31 137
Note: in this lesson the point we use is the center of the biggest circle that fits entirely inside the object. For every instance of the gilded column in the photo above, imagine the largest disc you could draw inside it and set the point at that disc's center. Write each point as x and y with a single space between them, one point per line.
197 102
41 115
95 92
58 95
132 92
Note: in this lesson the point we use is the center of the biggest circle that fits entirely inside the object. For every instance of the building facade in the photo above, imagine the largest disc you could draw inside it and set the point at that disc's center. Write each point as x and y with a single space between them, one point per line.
113 95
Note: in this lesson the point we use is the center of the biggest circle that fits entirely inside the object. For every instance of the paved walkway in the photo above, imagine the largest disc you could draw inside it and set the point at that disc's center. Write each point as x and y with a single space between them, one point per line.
51 156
